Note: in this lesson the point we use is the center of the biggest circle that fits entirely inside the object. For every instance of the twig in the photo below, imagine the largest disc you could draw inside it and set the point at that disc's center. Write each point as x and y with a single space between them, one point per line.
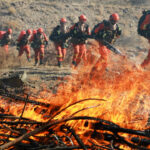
99 145
21 122
14 131
47 125
11 117
84 109
18 98
88 99
23 108
75 136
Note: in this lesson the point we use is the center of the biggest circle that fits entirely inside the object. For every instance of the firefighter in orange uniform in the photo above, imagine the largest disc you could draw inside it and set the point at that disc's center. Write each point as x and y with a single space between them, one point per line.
109 31
23 43
5 39
40 41
144 30
59 37
79 32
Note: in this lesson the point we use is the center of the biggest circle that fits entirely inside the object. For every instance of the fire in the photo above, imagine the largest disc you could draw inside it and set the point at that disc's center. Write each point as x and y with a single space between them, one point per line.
124 88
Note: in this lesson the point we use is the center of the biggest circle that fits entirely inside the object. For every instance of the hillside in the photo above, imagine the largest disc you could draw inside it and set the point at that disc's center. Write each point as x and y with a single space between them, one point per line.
21 15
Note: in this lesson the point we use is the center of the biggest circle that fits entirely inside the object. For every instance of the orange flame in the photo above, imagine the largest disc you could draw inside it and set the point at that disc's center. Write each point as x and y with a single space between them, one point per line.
124 87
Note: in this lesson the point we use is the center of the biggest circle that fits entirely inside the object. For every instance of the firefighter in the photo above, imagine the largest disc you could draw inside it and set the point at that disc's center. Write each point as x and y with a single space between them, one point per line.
59 37
109 31
23 43
144 30
5 39
40 41
79 32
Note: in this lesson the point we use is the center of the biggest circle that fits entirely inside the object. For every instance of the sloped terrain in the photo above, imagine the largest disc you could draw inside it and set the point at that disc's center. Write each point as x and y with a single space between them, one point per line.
21 15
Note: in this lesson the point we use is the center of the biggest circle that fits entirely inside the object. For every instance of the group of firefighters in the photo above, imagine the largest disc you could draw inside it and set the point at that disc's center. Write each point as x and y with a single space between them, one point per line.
105 31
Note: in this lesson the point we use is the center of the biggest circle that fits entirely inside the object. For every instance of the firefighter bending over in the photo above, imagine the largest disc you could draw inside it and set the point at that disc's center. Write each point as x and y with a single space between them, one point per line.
144 30
106 31
23 43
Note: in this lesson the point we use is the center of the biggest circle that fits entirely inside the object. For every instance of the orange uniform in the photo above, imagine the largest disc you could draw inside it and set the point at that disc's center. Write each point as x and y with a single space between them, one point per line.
107 31
58 36
5 38
39 40
23 44
144 30
79 32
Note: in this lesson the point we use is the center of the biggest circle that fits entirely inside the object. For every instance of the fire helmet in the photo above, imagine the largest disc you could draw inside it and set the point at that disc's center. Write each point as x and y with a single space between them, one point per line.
40 30
63 20
23 32
9 31
114 17
29 31
82 18
34 31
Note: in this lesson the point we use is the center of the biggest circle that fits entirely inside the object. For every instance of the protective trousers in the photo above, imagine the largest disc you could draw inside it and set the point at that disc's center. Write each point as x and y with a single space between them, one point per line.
39 53
102 62
5 47
61 52
25 48
79 53
146 60
104 52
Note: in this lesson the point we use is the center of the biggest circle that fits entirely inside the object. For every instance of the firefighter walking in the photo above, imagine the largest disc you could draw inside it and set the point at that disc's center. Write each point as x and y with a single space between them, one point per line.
5 39
107 31
23 44
39 41
79 32
59 37
144 30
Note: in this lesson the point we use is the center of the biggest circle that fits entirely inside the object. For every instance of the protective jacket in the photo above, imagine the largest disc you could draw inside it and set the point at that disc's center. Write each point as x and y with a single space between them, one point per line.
144 25
5 38
37 40
79 36
58 37
23 40
107 32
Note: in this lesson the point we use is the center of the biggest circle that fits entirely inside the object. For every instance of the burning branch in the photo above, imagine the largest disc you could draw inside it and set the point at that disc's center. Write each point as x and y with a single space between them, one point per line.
104 125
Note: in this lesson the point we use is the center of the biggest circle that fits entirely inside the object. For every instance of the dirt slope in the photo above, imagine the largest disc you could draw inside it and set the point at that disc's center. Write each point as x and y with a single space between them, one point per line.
21 15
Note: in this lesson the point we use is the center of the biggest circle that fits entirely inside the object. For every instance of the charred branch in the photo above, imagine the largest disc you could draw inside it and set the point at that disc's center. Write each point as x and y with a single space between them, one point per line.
21 99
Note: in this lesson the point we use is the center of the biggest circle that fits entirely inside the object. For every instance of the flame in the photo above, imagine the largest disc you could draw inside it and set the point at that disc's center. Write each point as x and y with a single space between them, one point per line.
124 87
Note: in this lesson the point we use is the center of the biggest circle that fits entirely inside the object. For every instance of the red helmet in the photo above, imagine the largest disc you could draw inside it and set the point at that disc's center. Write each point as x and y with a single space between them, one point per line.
83 18
29 31
34 31
63 20
114 17
40 30
9 31
23 32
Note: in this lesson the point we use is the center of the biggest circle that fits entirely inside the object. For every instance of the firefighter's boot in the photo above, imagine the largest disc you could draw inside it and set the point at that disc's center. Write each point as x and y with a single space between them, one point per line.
41 61
59 64
36 63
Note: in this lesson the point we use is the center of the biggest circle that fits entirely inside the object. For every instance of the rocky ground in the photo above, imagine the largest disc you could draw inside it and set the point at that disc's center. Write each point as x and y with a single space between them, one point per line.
21 15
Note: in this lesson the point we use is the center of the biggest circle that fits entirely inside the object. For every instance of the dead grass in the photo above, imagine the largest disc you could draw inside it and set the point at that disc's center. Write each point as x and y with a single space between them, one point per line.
14 24
12 11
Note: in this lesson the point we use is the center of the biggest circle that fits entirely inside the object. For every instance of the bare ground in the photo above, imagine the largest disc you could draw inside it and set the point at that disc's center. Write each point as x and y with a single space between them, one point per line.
21 15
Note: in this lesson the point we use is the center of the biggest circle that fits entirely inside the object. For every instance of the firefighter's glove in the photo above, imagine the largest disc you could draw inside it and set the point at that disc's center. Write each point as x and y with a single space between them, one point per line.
119 32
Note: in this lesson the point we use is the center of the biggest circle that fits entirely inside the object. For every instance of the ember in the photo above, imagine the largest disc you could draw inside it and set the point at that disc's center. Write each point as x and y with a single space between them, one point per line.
92 110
